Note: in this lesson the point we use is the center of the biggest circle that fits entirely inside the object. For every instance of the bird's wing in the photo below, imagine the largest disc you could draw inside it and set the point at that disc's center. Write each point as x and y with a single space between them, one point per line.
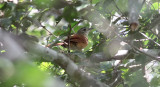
76 39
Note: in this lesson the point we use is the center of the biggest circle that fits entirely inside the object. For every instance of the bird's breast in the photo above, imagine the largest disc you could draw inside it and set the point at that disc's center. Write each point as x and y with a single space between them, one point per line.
81 41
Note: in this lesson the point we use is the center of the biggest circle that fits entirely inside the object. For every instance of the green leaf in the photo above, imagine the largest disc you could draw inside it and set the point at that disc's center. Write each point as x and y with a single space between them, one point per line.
124 72
58 19
155 82
146 42
140 83
44 66
70 13
155 6
5 22
141 58
103 71
95 1
89 45
3 51
43 32
43 3
1 5
26 23
24 73
137 79
78 3
58 32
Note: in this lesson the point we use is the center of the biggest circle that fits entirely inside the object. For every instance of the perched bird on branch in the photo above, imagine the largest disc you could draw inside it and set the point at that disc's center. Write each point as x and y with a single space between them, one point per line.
77 41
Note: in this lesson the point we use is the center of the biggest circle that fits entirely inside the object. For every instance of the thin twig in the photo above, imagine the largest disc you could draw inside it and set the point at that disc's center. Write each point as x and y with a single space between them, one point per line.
69 35
154 62
151 56
151 5
76 24
44 27
155 34
143 3
149 38
117 7
137 49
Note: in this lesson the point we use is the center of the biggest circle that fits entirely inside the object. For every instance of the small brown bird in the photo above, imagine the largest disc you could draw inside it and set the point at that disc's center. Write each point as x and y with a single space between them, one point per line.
78 41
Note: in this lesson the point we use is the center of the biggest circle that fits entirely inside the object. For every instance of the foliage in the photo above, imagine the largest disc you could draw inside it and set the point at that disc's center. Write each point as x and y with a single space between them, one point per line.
48 22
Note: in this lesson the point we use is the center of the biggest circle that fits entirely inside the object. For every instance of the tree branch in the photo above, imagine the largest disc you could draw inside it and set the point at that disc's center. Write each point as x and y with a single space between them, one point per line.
70 67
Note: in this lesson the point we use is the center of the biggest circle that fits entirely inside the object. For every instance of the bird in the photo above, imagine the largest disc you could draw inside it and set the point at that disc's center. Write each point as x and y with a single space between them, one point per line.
77 41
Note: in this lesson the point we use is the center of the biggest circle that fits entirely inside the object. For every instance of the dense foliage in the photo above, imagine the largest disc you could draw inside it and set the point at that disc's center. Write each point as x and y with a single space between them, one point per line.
123 48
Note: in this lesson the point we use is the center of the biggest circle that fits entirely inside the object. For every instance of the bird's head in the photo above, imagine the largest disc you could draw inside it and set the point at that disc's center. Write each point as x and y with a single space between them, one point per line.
84 31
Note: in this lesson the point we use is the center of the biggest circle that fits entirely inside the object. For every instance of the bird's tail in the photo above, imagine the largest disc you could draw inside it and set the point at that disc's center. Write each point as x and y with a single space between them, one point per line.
59 44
